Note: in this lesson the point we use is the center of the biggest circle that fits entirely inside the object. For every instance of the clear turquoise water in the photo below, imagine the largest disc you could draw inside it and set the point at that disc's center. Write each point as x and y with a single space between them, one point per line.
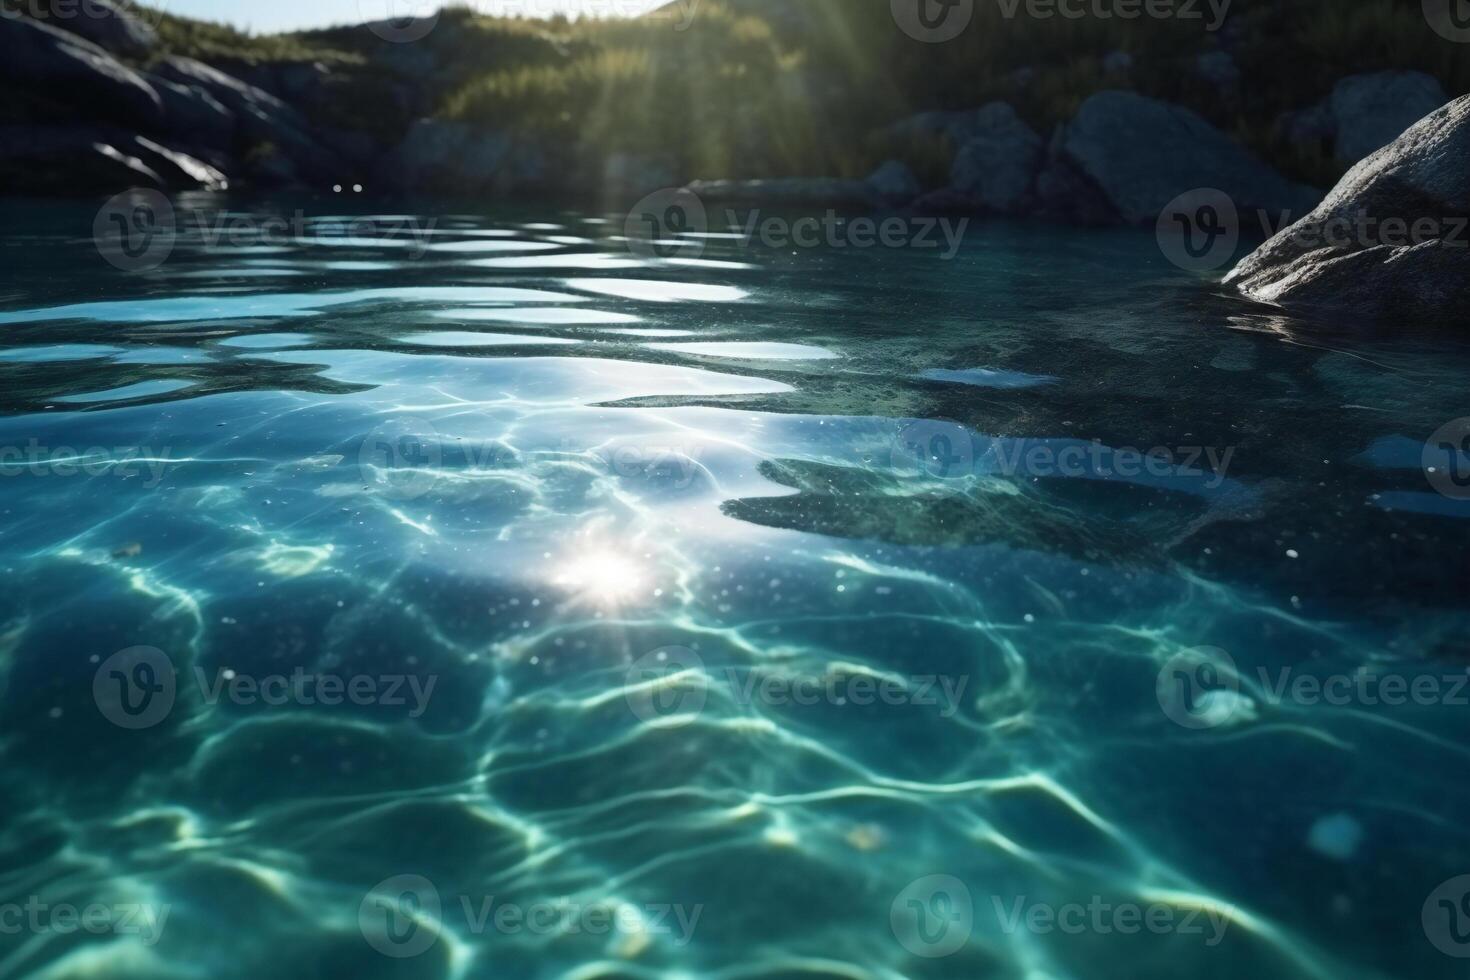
634 544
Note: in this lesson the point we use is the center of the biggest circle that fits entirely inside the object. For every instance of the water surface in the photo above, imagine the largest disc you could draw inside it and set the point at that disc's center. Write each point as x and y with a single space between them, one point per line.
726 601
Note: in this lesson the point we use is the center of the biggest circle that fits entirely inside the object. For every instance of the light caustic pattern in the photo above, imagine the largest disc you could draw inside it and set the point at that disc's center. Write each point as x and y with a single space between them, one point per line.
712 617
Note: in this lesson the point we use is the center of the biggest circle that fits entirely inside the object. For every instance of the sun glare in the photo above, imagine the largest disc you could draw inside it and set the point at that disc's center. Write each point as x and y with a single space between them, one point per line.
601 576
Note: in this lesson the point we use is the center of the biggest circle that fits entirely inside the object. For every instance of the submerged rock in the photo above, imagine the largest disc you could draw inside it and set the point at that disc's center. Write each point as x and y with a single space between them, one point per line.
1389 242
1133 155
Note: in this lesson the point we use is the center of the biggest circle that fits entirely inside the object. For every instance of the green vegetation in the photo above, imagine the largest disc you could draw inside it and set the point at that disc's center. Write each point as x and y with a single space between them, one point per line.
773 88
748 88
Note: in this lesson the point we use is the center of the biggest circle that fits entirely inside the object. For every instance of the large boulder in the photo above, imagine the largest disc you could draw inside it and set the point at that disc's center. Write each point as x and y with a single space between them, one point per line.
1129 156
997 166
68 161
1363 114
190 112
265 124
240 97
41 58
81 159
1371 111
1389 243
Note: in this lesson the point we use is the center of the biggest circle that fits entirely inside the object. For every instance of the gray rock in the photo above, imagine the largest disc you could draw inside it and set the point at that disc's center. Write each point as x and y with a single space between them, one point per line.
161 166
109 26
1345 259
811 192
998 165
240 97
190 112
176 168
66 160
895 183
64 66
1363 114
264 122
1140 154
453 156
1371 111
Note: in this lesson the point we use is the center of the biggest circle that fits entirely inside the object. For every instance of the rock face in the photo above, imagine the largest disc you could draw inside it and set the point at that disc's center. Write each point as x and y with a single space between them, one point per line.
40 57
1129 155
463 158
1390 243
1364 113
1371 111
997 167
111 27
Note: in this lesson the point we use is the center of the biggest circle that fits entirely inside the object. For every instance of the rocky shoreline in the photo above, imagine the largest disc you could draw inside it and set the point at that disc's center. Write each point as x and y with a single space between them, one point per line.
97 106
